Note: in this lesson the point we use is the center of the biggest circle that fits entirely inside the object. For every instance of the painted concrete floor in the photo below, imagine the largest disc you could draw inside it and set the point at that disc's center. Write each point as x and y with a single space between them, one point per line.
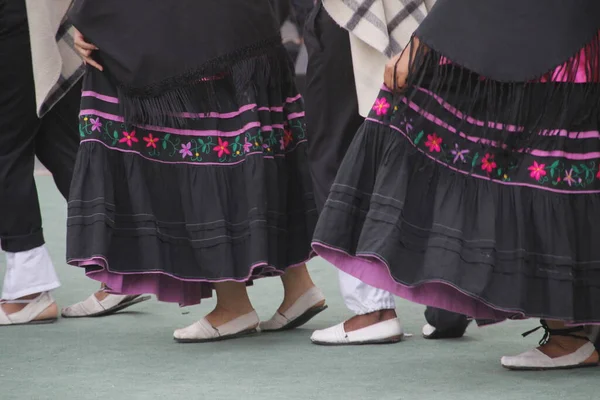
132 356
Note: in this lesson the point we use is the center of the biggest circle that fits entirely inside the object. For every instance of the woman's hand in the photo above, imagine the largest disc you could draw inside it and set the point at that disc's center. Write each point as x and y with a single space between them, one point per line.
85 50
400 65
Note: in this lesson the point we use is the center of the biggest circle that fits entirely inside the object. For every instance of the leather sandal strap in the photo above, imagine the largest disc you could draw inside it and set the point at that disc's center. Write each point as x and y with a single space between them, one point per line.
16 301
548 332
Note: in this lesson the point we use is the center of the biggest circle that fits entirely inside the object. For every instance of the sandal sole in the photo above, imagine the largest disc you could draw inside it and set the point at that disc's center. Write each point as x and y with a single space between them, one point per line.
588 365
248 332
35 322
301 320
365 343
120 307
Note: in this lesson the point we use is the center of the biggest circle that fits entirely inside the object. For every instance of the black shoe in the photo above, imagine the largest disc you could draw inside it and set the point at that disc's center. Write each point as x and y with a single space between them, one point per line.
430 332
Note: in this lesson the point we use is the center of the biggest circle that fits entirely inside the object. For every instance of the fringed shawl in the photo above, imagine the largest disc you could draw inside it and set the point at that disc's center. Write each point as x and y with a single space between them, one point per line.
525 68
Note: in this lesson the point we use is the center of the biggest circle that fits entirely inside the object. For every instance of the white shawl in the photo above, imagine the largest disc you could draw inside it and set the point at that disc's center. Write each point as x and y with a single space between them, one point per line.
56 65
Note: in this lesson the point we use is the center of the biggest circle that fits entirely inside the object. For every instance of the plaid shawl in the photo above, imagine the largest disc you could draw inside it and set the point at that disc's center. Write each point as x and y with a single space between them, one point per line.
56 65
385 25
378 30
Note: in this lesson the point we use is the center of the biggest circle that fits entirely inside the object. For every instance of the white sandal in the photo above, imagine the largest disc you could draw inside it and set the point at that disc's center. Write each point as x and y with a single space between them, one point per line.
28 315
202 331
92 307
536 360
303 310
385 332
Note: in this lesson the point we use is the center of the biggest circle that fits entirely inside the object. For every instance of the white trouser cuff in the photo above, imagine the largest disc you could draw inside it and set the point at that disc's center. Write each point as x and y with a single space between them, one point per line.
29 272
361 298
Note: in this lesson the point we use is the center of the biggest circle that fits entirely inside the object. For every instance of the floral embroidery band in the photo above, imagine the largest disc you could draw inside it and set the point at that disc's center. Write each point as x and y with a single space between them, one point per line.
269 141
579 173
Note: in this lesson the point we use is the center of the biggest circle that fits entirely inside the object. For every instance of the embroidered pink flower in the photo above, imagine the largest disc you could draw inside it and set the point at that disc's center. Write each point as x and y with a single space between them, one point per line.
247 145
459 154
150 141
221 148
433 143
186 150
537 171
96 124
598 174
488 164
129 138
381 106
287 137
569 177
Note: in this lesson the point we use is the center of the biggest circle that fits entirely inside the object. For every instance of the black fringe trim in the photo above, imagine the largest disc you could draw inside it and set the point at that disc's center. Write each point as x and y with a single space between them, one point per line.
266 63
534 106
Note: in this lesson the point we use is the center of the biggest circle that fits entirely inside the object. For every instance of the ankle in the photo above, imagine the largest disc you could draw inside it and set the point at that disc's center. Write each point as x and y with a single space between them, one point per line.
568 342
30 297
297 280
101 295
11 308
223 314
234 309
366 320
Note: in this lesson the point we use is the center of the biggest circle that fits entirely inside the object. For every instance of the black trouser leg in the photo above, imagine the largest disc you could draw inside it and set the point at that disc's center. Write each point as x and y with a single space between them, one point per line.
23 134
302 9
446 323
282 9
332 117
57 141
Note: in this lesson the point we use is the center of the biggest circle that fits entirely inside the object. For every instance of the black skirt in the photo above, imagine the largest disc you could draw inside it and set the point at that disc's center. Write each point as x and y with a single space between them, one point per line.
424 208
171 209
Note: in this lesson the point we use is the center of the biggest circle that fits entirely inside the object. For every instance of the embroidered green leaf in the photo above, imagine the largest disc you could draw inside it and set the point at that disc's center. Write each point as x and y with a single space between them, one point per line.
81 132
552 172
499 171
475 158
575 169
167 136
115 135
419 137
554 164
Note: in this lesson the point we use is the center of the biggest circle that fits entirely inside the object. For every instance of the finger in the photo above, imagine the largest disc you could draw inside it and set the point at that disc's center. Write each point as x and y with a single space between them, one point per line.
80 41
83 52
388 77
93 63
400 74
85 45
400 80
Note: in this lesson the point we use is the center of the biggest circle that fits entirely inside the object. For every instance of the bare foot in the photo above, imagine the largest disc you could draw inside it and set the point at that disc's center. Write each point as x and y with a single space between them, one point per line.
559 346
296 281
101 294
362 321
291 298
232 302
220 316
11 308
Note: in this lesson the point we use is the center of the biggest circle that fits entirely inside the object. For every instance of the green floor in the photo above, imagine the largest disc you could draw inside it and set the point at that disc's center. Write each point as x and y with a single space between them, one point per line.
132 355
